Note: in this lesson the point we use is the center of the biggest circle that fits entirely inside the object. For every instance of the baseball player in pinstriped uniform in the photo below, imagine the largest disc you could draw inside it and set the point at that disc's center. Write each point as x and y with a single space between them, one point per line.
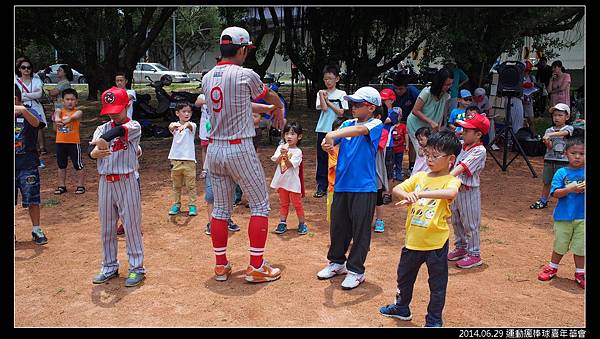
116 144
231 157
466 209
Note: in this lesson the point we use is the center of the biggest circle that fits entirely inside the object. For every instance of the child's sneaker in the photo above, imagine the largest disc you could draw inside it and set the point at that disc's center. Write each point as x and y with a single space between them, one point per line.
352 280
393 311
538 205
42 164
232 227
39 237
379 226
207 231
580 279
193 210
222 272
387 199
469 261
547 273
281 228
302 229
263 274
331 271
175 209
457 254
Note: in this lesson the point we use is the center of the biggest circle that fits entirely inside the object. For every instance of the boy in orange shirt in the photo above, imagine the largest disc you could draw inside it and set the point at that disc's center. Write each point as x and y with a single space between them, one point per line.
332 163
67 122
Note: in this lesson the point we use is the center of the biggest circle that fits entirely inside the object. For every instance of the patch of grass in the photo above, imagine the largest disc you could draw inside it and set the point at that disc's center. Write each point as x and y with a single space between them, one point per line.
484 227
51 202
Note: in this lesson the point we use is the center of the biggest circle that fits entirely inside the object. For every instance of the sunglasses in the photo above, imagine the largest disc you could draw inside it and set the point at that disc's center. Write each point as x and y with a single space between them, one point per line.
468 99
25 67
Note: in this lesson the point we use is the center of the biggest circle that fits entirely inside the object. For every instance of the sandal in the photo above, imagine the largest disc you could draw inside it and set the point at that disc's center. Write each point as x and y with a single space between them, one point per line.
60 190
538 205
319 194
80 190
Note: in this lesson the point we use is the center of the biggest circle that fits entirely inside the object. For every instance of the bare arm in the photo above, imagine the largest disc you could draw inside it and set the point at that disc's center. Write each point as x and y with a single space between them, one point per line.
570 188
31 119
417 111
457 170
261 108
328 142
322 100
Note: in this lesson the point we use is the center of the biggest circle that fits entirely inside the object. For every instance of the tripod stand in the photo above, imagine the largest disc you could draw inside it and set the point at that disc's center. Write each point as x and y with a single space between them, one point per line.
505 132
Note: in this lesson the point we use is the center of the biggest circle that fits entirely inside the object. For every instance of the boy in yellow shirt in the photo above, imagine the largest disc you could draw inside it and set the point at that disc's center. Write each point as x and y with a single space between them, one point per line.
331 165
428 196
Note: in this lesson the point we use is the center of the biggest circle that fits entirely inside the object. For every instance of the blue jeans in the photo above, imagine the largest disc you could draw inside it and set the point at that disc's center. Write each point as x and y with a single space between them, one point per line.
322 169
437 267
398 166
28 182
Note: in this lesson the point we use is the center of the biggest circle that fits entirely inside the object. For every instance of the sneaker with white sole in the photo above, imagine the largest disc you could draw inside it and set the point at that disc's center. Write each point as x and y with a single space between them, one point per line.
394 311
263 274
222 272
332 270
352 280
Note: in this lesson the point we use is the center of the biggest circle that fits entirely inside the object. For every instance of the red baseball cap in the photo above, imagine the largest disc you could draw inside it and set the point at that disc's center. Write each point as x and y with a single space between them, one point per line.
478 122
114 101
387 94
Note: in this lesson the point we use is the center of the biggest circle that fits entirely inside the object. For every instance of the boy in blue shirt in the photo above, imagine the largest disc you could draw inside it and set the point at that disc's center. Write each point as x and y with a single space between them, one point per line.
355 189
27 176
568 185
458 114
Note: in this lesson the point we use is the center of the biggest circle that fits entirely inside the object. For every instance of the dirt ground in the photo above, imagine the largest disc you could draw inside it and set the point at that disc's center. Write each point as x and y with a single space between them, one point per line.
53 282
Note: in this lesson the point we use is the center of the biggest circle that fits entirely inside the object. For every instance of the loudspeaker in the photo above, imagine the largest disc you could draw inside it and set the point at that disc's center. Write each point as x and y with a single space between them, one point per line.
510 78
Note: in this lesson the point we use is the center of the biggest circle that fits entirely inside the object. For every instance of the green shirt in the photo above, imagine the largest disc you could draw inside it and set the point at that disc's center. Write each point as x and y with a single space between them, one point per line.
432 108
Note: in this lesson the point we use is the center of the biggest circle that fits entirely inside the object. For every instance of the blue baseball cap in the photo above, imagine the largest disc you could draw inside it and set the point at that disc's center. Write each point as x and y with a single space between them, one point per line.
365 94
464 93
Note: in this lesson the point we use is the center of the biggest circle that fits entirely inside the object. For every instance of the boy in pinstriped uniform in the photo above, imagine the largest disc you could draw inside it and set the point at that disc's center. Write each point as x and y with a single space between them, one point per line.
116 145
466 210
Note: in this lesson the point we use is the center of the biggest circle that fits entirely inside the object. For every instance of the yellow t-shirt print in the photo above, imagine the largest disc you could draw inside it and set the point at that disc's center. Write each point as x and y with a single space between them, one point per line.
426 225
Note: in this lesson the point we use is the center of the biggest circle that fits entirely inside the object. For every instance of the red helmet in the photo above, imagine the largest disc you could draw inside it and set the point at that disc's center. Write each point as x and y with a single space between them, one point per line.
387 94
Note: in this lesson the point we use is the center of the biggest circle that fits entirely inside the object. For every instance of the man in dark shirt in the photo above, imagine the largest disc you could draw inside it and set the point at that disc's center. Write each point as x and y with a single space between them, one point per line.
542 77
27 177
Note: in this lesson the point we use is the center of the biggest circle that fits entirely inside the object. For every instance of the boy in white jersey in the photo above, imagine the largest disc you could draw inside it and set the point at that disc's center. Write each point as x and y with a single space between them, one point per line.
116 145
466 210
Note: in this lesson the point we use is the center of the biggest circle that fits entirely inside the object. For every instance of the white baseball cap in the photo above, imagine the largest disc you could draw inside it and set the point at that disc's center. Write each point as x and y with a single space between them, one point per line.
236 36
367 93
560 107
479 91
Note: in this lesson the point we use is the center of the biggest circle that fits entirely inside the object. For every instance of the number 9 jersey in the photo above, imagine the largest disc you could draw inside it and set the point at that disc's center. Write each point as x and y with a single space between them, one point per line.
228 88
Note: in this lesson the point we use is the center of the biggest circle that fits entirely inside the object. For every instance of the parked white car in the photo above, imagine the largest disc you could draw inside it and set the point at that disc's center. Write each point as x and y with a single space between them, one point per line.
49 75
155 71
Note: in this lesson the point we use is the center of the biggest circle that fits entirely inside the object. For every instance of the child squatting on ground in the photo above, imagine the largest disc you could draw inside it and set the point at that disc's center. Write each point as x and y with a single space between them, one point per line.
568 185
428 197
466 209
287 179
183 158
355 188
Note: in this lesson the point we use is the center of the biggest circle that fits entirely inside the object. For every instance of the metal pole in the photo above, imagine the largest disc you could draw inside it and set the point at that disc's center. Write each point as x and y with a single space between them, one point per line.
174 46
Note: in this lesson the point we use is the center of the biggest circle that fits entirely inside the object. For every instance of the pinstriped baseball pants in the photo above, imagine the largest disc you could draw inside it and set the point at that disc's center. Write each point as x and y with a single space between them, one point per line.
466 218
238 163
120 199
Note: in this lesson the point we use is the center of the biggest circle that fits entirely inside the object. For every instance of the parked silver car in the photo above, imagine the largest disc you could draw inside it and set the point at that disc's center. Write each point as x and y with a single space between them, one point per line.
49 75
155 71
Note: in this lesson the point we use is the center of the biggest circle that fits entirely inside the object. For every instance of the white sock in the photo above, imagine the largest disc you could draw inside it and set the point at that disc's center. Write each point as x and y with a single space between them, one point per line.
553 265
579 270
36 229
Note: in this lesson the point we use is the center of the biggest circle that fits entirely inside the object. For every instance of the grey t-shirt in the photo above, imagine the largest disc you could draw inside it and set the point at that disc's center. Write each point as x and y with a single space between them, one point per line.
557 152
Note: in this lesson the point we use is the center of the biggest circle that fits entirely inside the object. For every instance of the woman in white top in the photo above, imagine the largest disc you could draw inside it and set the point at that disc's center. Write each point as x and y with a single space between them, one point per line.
31 89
